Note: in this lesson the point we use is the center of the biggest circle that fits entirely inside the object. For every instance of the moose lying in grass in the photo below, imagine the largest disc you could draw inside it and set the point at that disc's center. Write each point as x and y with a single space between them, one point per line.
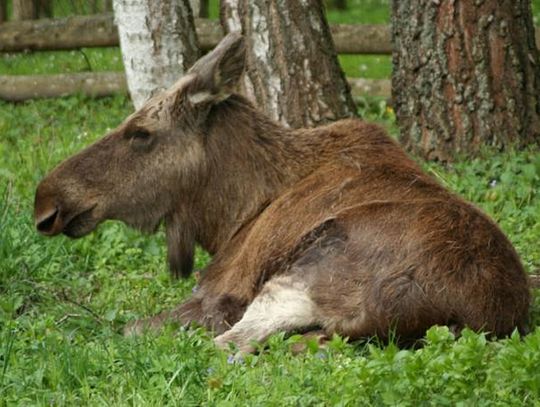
332 228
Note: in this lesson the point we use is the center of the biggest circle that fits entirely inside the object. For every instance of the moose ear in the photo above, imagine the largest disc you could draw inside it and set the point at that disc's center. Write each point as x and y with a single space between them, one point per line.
217 73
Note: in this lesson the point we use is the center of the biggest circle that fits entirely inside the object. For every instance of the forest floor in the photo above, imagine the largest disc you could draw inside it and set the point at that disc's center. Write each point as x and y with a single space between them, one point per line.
63 302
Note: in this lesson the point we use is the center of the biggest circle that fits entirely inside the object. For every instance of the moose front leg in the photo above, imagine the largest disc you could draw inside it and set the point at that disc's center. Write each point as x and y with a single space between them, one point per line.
283 304
217 313
185 314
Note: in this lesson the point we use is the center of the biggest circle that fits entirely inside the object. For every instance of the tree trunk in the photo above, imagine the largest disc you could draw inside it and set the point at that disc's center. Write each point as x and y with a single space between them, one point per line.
340 4
466 74
158 43
93 5
3 11
24 10
205 9
45 8
292 67
107 5
199 8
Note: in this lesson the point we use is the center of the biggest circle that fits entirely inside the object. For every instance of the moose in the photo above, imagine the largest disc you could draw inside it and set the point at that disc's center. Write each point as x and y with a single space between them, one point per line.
332 228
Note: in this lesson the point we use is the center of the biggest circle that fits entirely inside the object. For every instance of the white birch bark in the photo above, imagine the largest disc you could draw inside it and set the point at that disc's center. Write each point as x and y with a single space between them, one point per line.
195 7
158 43
292 68
23 10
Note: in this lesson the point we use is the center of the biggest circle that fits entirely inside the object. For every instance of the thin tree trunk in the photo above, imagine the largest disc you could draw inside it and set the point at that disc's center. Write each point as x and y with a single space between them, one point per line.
205 9
199 8
292 68
107 5
24 10
340 4
45 8
93 4
466 74
3 11
158 43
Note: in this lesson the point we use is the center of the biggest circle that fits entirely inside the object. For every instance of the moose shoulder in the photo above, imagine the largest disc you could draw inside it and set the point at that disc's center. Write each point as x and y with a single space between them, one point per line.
333 227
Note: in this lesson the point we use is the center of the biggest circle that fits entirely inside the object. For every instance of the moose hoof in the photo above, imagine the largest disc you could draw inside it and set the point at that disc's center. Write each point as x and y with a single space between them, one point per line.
243 346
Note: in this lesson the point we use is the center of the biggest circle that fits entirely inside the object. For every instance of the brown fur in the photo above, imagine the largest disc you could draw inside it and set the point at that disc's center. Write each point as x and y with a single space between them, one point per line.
379 244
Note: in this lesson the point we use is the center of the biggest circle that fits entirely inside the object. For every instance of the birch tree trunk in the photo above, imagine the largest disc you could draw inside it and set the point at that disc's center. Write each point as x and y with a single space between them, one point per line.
292 68
158 43
24 10
195 7
466 74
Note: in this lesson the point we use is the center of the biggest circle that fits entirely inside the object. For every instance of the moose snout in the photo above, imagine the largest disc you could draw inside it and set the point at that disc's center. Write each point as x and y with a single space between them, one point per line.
47 219
47 213
47 222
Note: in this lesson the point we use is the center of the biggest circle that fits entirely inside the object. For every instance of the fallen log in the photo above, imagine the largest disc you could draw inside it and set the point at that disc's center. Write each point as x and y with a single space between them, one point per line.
19 88
58 34
16 88
371 87
100 31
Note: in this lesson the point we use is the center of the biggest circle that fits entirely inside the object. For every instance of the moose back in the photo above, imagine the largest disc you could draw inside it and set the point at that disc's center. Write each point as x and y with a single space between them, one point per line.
333 227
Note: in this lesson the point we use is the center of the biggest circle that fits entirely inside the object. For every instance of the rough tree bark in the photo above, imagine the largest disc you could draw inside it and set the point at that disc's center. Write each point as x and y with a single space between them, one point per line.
158 43
292 67
23 10
195 7
466 74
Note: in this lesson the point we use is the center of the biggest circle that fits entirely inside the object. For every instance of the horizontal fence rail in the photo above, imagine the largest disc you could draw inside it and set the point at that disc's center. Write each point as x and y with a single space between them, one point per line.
100 31
15 88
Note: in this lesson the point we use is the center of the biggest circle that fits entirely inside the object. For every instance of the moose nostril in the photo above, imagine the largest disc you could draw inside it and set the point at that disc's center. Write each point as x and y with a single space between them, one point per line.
46 222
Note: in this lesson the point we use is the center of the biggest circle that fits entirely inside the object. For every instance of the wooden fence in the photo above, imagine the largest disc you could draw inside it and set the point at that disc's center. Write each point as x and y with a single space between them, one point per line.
100 31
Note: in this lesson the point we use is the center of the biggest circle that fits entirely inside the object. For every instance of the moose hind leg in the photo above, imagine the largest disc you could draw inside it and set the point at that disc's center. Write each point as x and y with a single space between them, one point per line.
283 304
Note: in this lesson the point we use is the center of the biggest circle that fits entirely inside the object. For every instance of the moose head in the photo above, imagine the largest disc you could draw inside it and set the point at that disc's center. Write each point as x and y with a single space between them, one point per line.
146 171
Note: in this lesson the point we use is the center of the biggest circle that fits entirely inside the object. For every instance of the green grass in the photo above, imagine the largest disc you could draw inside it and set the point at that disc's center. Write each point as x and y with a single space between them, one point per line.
63 302
54 62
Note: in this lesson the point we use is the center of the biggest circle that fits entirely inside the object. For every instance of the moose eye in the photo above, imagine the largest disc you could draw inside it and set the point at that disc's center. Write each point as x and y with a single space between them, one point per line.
140 135
140 139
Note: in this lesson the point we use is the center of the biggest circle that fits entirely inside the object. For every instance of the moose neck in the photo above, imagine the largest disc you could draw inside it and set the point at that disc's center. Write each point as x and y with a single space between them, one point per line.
250 161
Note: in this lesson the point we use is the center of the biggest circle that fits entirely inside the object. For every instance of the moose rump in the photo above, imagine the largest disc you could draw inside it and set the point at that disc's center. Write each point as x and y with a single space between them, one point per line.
333 227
